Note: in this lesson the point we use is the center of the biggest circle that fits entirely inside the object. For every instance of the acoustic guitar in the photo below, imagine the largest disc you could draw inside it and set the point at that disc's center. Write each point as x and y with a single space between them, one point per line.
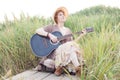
43 46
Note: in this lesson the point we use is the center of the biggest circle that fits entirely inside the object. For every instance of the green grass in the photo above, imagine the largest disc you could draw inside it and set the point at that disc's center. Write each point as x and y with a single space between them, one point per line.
101 47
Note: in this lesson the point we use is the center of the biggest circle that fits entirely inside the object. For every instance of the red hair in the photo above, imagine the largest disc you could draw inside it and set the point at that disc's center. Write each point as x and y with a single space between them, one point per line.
56 16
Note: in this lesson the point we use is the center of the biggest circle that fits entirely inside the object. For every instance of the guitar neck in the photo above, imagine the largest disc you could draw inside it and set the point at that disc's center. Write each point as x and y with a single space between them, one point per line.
69 35
64 37
89 29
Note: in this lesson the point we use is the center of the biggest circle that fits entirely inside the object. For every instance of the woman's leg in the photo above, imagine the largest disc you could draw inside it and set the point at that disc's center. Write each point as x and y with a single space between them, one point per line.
40 66
74 59
46 64
65 54
49 63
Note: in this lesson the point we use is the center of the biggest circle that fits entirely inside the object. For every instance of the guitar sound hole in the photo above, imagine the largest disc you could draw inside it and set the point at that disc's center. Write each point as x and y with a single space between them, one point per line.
54 43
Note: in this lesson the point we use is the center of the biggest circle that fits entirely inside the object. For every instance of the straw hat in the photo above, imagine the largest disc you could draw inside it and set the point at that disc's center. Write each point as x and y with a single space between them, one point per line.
63 9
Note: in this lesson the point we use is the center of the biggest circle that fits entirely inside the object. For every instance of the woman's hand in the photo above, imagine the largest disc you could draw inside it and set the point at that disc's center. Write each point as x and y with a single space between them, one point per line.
81 35
83 32
52 37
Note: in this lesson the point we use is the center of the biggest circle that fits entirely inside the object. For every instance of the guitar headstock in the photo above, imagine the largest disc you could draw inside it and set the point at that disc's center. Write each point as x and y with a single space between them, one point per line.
89 29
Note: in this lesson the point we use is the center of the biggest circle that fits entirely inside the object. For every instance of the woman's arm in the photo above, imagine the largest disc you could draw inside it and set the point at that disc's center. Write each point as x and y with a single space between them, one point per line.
42 32
46 31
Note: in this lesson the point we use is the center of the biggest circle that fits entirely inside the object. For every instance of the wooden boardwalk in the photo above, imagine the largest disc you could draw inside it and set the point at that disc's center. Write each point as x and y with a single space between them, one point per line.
35 75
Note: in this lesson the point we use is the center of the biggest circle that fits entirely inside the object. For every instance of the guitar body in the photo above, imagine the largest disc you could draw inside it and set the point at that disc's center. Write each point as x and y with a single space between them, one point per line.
43 46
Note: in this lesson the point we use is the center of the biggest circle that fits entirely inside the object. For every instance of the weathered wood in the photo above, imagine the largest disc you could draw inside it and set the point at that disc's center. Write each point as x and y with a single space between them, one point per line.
23 75
39 76
35 75
62 77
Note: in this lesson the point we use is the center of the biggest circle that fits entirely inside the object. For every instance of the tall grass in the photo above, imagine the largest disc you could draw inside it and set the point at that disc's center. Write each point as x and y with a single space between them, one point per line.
15 51
101 47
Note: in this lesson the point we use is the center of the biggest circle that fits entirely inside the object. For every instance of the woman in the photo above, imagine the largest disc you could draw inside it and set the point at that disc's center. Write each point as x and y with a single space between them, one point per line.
55 60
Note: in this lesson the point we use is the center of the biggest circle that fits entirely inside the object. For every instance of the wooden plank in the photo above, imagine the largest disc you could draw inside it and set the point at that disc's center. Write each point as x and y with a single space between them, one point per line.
41 76
35 75
23 75
38 76
62 77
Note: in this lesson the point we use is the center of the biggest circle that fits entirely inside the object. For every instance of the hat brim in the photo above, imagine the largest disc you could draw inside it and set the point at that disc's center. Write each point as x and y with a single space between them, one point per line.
62 9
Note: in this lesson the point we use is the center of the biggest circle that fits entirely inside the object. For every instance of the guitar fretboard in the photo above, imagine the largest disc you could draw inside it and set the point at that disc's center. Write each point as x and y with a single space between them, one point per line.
64 37
80 32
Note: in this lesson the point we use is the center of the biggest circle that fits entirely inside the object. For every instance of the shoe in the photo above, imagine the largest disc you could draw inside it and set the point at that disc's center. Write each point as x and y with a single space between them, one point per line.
51 70
43 68
58 71
37 68
78 71
40 67
82 70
